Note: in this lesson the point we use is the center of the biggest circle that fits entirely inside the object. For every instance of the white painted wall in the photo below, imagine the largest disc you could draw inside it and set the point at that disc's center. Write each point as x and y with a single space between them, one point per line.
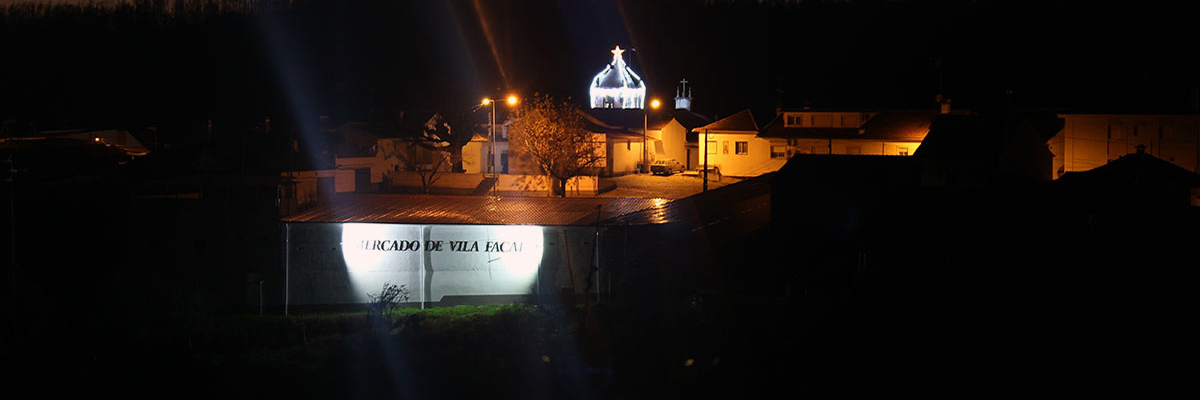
756 161
475 156
845 146
674 141
624 155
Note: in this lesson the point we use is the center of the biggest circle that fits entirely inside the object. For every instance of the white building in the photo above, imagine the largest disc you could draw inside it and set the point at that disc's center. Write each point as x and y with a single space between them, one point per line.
731 145
736 146
664 132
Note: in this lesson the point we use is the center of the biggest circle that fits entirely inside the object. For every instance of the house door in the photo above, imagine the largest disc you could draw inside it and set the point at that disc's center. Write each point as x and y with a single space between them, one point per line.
362 180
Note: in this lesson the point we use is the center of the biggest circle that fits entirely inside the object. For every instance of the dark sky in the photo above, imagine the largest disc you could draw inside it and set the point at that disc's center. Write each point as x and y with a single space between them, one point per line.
353 60
747 54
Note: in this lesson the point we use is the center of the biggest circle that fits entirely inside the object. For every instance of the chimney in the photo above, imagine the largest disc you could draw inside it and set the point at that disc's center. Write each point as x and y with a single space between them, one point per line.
944 103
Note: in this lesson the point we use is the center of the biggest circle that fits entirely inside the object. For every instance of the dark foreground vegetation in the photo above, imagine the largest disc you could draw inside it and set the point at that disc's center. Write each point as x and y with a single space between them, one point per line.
517 351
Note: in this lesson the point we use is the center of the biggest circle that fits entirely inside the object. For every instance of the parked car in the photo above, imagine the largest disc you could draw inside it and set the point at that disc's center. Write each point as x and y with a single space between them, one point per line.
665 166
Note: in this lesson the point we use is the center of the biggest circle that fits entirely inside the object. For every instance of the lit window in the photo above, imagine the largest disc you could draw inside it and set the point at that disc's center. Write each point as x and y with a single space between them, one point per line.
725 147
743 147
904 151
778 151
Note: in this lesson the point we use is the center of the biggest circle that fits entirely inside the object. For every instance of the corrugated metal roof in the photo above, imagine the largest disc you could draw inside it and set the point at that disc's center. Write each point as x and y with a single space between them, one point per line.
704 209
475 210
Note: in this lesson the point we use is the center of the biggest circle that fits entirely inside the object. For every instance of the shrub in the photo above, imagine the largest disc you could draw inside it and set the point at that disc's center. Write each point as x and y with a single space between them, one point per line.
389 297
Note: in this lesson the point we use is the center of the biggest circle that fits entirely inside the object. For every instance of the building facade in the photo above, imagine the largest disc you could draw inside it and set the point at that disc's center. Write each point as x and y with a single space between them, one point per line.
1089 141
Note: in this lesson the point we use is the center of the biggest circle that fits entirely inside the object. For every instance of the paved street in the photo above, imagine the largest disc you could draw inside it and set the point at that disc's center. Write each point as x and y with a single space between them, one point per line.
668 187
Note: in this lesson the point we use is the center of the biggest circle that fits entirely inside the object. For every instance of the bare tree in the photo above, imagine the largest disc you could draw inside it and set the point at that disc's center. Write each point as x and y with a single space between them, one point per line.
425 152
455 127
551 135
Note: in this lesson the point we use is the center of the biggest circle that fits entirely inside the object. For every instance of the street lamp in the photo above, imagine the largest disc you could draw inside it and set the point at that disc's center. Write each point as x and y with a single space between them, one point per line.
645 126
491 160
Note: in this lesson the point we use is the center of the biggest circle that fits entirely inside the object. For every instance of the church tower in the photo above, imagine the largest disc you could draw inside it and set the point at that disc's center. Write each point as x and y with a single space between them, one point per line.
683 96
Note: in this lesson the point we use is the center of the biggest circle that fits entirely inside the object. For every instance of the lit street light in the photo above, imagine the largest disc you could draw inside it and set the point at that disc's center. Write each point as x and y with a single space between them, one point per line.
491 159
645 126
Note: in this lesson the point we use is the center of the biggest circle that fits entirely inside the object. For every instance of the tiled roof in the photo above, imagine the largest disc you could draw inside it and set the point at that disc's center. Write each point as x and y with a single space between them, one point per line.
631 122
613 121
985 136
742 121
1133 165
687 118
900 125
478 210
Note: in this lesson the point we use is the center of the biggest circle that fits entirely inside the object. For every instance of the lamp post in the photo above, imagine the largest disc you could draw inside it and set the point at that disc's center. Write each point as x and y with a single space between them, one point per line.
491 159
705 179
645 126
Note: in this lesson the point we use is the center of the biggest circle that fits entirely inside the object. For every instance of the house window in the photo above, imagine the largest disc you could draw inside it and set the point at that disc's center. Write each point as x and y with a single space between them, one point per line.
904 151
794 120
712 147
725 147
743 147
778 151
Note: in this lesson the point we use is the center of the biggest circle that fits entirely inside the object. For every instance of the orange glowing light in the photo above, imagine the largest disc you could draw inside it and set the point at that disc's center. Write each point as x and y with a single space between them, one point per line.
512 100
487 101
655 103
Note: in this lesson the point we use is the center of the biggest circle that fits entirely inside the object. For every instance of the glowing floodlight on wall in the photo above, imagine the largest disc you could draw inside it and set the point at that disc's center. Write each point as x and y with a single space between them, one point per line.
376 254
484 260
435 261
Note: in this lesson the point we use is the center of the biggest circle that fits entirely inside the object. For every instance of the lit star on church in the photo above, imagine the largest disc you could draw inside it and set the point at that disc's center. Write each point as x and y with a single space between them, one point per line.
617 86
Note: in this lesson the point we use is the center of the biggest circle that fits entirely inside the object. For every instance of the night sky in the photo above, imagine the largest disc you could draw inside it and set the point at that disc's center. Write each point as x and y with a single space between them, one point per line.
361 60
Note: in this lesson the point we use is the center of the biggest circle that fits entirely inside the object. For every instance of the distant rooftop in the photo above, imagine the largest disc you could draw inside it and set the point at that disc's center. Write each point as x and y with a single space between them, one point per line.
480 210
742 121
901 125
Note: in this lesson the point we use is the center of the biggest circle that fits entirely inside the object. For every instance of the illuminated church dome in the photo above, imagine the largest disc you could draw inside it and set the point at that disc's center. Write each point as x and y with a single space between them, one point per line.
617 86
